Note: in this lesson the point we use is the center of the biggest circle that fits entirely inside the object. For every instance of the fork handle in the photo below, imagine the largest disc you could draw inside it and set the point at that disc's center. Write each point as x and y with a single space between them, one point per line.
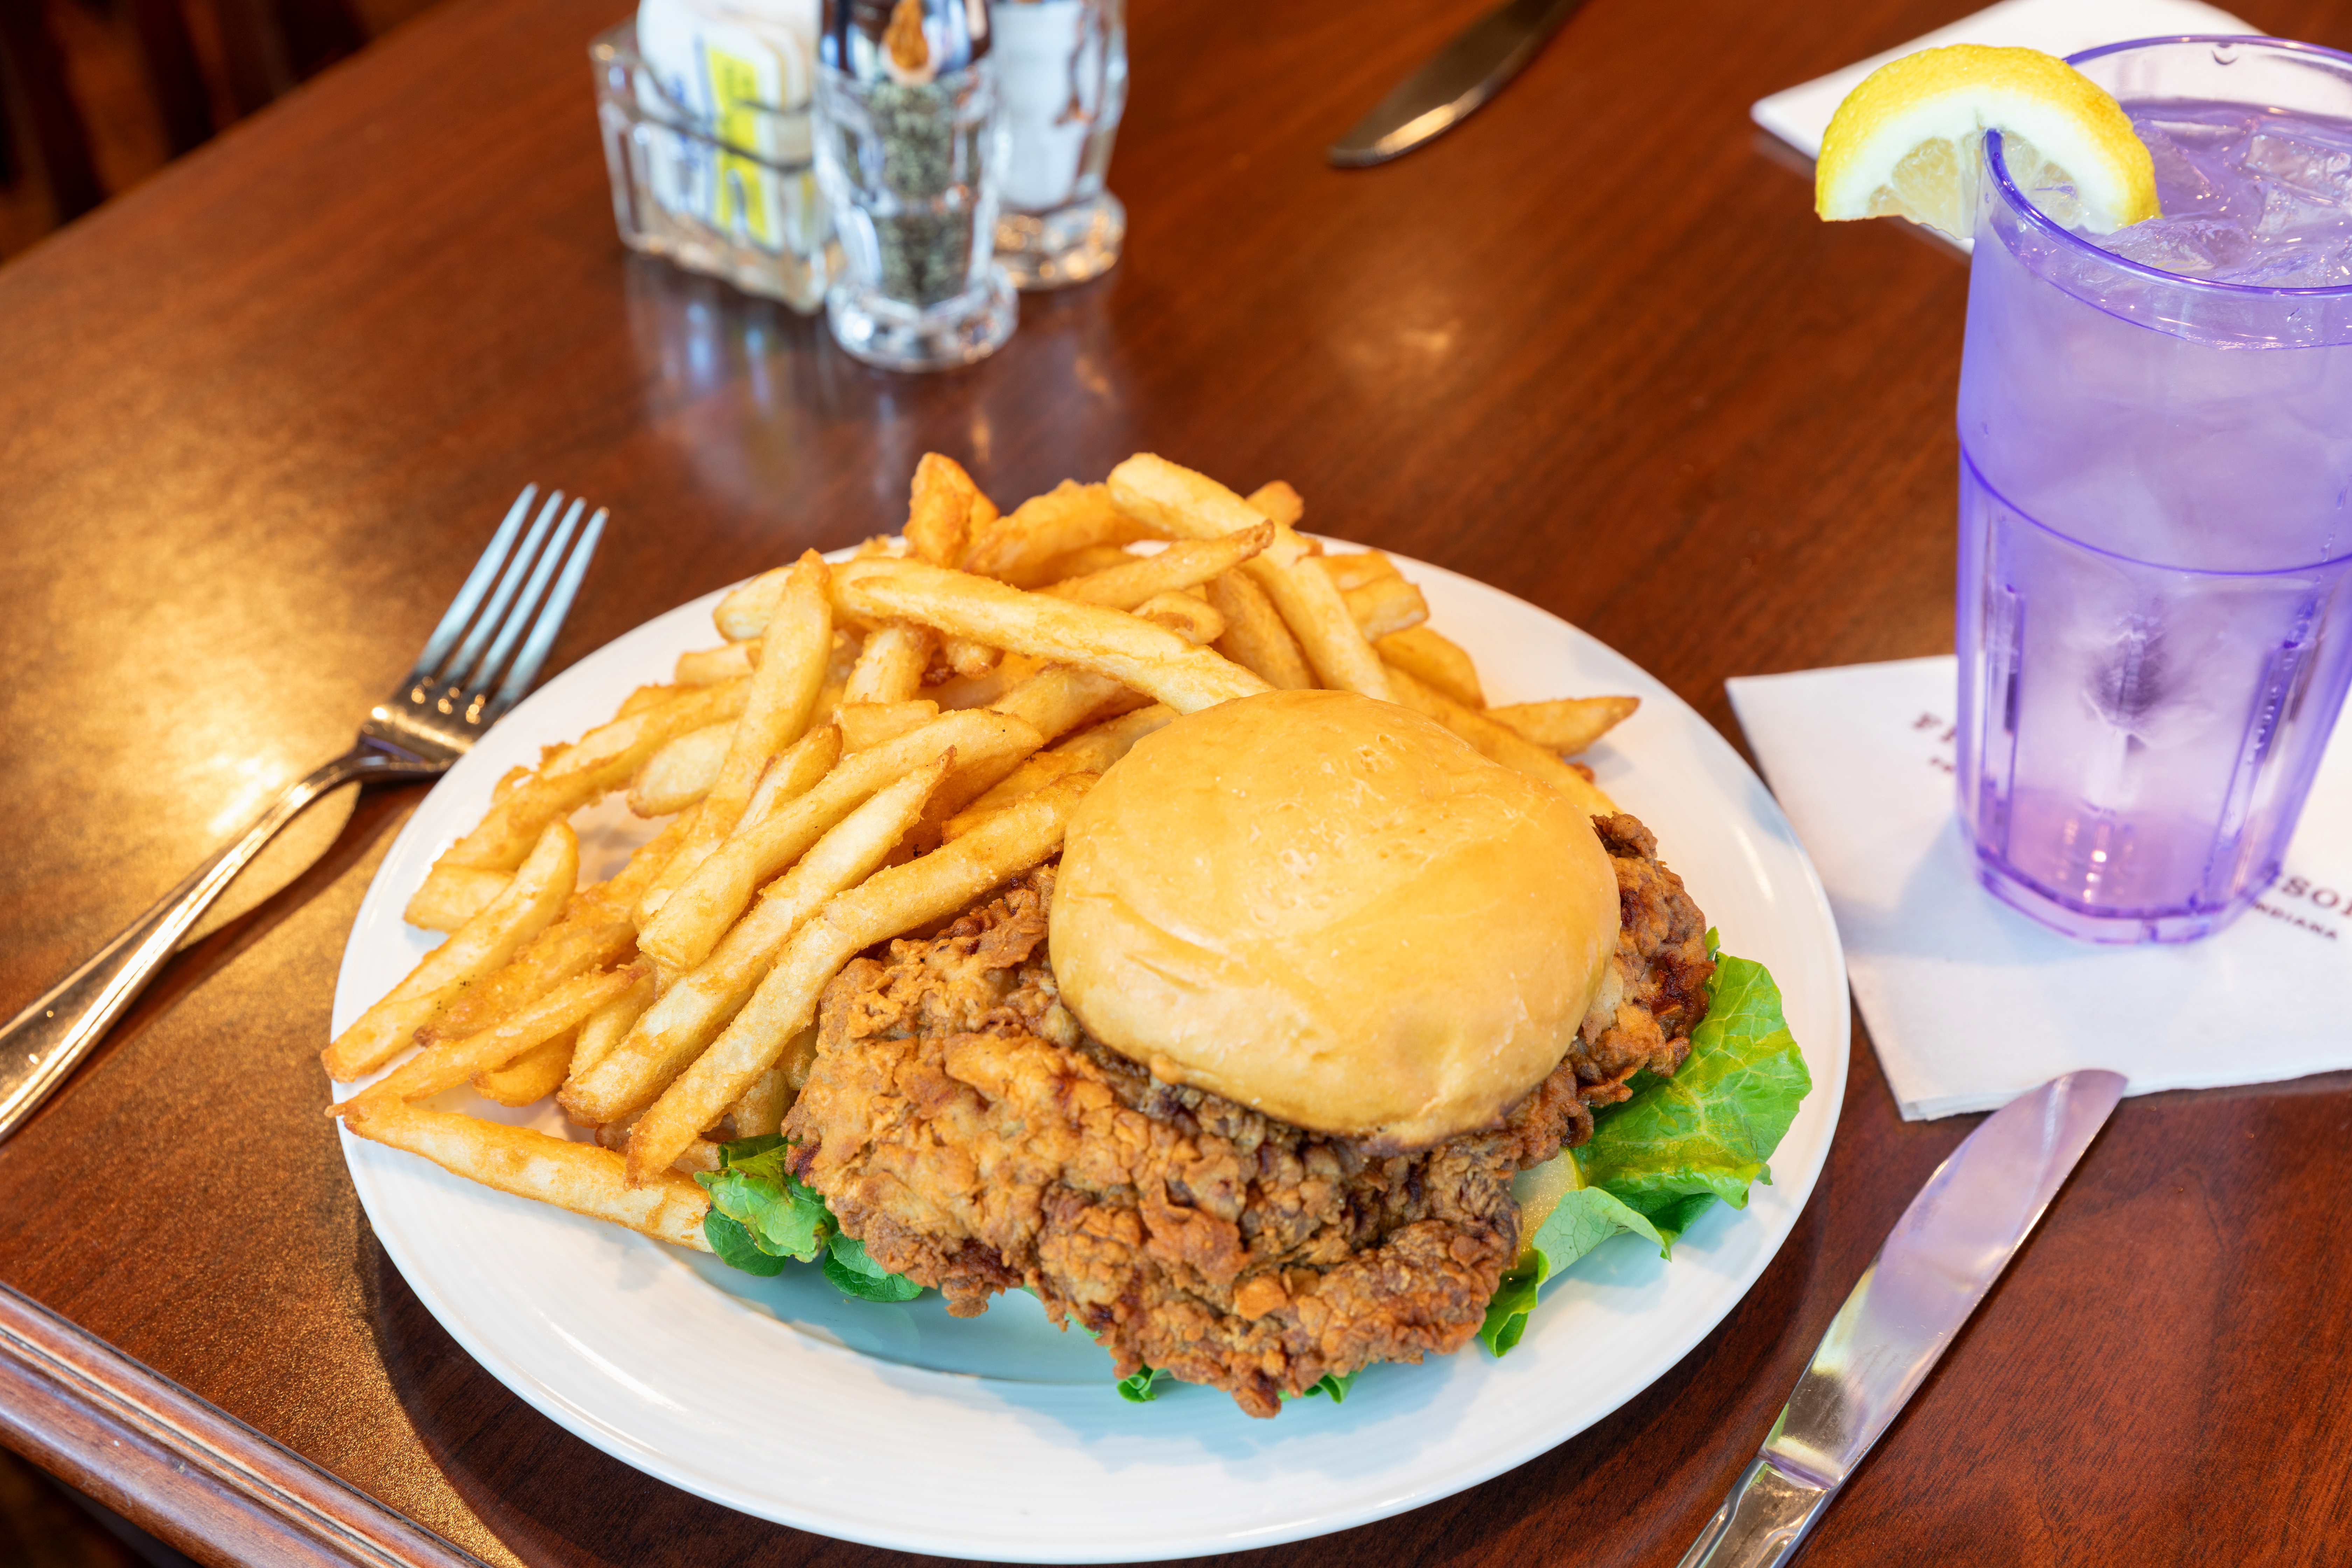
42 1043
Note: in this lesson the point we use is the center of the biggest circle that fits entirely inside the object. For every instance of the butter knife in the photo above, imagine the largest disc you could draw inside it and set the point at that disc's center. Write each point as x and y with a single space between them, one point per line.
1935 1264
1453 82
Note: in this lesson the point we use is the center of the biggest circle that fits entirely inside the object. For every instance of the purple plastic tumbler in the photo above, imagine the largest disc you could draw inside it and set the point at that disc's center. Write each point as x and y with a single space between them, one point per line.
2155 500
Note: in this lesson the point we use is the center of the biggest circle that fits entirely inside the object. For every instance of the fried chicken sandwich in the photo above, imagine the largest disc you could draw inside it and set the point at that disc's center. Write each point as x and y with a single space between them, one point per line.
1242 1084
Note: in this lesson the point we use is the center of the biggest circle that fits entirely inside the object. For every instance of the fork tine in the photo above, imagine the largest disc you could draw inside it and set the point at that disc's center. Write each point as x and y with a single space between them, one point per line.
487 623
477 684
478 582
551 621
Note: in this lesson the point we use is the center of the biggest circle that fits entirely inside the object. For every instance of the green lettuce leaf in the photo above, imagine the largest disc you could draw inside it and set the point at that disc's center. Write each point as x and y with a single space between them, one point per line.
1583 1221
1681 1143
1334 1386
783 1218
1659 1159
761 1214
1136 1387
854 1274
736 1248
762 1157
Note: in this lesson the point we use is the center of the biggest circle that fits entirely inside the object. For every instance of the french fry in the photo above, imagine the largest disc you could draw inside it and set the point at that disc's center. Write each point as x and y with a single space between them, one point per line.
1193 620
533 1075
1058 699
1034 775
698 913
1568 725
636 702
1502 744
594 932
682 772
944 510
744 614
702 1154
889 903
676 1028
1432 660
1357 568
1193 506
761 1111
444 1064
1278 502
1055 701
597 928
891 669
1254 637
710 665
528 905
591 934
1185 566
1384 605
452 895
601 760
699 1154
968 657
796 641
1070 516
608 1026
1083 561
1131 651
581 1178
865 725
793 774
848 643
979 692
787 778
1091 751
780 701
1097 749
794 651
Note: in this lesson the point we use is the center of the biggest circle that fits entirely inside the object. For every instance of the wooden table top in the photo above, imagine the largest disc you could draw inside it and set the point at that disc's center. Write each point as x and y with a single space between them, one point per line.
1592 347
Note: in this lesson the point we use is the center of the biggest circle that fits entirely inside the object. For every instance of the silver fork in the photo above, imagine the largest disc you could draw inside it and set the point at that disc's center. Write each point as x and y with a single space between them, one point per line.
430 721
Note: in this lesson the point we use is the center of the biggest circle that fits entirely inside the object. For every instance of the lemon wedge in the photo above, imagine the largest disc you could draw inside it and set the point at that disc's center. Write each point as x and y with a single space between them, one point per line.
1903 143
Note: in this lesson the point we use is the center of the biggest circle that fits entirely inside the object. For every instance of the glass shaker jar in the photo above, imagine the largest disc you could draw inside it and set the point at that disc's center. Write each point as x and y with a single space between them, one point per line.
910 152
1062 65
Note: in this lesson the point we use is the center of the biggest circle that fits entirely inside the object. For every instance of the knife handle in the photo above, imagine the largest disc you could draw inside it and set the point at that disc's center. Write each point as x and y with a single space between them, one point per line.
1764 1521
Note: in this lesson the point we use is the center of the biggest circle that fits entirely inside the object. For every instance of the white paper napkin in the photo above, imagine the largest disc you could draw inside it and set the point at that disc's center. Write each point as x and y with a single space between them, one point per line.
1969 1001
1799 114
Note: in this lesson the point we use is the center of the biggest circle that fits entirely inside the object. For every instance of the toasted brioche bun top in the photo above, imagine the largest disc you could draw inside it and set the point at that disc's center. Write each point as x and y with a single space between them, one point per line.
1332 910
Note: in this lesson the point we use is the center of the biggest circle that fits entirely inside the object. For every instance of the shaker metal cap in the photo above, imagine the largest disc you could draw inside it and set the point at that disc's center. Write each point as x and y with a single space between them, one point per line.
904 41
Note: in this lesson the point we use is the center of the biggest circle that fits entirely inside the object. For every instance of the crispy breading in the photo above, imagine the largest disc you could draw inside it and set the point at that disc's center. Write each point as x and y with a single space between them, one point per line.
962 1124
1654 993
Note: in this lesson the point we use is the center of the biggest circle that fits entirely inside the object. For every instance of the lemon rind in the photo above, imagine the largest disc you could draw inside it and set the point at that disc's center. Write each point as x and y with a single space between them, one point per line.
1958 92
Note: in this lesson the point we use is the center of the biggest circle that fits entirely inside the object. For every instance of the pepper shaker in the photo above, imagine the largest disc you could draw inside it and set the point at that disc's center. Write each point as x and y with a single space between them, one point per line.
910 152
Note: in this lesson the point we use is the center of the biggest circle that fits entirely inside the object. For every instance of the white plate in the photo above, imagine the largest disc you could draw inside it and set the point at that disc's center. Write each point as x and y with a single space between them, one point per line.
997 1437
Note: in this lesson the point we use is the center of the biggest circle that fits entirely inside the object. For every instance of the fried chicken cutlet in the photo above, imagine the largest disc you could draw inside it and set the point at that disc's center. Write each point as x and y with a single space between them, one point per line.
962 1125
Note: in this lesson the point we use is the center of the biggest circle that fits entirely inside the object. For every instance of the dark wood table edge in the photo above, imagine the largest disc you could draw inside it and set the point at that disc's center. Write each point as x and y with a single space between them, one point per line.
181 1468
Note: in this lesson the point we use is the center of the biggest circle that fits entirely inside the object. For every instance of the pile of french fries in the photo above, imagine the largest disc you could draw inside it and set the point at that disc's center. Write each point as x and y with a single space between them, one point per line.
876 744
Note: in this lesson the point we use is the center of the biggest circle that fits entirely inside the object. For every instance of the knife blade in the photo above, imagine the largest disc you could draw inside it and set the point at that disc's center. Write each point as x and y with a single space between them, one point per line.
1935 1264
1453 83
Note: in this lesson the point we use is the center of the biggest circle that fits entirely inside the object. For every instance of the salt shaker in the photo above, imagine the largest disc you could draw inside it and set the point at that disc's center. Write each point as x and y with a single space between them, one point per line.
1062 68
910 150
